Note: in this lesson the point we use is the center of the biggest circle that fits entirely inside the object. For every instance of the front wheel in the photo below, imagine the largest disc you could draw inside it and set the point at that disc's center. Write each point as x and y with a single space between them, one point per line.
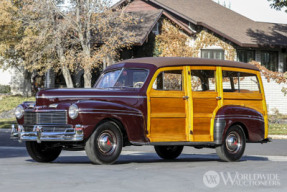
105 144
43 152
168 152
233 146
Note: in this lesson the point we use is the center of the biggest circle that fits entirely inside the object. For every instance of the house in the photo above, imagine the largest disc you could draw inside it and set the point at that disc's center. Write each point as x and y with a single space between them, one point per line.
200 28
210 30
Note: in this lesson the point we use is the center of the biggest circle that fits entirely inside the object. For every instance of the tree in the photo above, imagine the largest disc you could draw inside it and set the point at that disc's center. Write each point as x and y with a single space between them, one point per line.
45 35
11 33
95 32
80 35
278 4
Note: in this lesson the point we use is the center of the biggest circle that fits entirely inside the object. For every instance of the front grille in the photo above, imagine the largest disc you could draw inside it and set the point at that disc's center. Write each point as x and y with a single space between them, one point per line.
50 128
53 117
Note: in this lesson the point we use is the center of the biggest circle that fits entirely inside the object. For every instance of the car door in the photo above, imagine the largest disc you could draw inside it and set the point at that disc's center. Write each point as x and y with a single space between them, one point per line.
168 110
205 101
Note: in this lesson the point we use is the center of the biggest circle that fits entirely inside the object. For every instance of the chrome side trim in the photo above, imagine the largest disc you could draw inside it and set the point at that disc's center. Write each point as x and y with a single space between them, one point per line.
111 110
180 143
256 119
83 112
240 115
91 96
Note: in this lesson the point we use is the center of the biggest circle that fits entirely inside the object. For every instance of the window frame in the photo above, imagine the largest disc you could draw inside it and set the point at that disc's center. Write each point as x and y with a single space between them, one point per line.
215 78
245 52
121 70
162 71
212 53
241 95
269 64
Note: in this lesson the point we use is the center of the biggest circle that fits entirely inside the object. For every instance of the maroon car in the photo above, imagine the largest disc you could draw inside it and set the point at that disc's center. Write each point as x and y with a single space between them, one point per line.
165 102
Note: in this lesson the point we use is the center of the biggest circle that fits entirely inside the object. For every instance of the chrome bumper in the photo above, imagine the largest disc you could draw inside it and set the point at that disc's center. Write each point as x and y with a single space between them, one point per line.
38 134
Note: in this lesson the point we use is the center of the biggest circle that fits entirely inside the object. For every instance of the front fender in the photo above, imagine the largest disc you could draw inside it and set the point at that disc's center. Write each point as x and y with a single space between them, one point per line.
251 121
93 112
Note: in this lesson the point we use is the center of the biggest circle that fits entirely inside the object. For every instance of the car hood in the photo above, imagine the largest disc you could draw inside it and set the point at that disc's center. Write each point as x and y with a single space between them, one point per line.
49 96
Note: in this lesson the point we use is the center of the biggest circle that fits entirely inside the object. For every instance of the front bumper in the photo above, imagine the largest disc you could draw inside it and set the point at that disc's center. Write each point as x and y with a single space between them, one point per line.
39 134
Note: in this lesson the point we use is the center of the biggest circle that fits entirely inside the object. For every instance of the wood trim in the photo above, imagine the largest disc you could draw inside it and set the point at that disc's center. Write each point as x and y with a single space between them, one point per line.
189 105
264 106
166 93
242 96
168 115
203 115
202 68
239 70
203 138
204 94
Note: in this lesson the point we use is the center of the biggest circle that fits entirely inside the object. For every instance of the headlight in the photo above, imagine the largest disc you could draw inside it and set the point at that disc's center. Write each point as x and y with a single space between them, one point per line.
19 112
73 111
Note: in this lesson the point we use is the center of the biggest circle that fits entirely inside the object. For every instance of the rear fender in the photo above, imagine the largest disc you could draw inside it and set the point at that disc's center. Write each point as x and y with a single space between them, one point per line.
251 121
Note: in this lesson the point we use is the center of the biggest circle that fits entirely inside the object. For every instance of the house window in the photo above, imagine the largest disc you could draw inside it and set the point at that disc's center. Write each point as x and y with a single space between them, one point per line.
285 63
155 29
269 59
212 54
245 55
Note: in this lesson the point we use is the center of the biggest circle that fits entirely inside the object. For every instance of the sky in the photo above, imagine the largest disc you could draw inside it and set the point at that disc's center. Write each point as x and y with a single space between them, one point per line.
257 10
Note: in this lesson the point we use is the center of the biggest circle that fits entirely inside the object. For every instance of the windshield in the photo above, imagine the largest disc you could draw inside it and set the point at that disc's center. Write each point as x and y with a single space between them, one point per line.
134 78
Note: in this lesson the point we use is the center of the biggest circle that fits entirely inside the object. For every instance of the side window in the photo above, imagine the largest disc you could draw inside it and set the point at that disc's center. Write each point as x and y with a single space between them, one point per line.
169 80
240 82
203 80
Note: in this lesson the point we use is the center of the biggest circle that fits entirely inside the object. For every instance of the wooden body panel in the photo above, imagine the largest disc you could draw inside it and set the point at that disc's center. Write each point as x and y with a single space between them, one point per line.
204 105
168 118
202 114
167 110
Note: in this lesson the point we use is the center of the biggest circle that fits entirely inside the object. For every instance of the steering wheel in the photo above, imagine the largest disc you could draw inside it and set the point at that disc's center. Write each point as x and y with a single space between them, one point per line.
138 84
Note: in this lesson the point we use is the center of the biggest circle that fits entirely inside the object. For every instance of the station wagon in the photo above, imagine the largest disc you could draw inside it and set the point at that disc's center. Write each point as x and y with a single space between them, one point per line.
168 103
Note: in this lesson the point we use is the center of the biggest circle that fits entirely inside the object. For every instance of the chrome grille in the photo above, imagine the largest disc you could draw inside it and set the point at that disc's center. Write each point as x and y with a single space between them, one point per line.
53 117
49 128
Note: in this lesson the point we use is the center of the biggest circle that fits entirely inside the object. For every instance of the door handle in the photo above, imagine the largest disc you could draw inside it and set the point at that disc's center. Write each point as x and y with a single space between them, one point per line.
218 98
185 97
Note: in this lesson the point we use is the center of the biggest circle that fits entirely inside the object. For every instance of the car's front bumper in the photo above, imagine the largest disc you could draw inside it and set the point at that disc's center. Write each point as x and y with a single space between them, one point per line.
39 134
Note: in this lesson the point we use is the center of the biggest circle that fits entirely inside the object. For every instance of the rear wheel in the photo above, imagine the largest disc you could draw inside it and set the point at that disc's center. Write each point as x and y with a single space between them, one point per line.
105 144
168 152
43 152
233 146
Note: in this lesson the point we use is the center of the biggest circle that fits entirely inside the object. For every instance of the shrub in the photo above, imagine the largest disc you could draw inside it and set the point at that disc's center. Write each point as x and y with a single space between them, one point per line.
5 89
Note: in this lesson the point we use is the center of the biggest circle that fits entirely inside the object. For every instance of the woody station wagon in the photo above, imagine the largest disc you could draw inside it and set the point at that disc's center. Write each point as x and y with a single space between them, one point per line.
165 102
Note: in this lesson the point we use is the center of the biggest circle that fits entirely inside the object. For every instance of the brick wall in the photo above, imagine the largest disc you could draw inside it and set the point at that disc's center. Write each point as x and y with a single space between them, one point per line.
274 96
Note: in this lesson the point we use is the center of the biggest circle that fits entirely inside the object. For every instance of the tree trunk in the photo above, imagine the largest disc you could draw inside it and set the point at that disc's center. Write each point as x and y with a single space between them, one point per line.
27 85
65 70
88 77
67 76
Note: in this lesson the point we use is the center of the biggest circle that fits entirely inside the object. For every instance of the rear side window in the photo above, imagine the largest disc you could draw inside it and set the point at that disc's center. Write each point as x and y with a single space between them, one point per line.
203 80
240 82
169 80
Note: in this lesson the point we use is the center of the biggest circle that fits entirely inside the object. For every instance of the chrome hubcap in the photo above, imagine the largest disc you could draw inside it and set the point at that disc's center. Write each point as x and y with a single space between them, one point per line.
107 142
233 142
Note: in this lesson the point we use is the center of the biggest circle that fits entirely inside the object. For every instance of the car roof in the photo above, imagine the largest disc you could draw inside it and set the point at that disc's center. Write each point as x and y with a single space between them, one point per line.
160 62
